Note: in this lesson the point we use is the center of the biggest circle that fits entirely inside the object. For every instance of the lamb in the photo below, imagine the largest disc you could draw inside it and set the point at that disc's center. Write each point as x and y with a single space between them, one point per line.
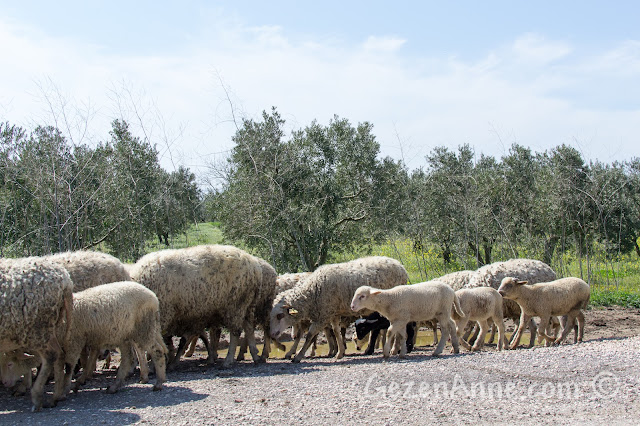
416 302
566 296
480 304
35 317
15 365
375 323
199 287
324 297
123 314
534 271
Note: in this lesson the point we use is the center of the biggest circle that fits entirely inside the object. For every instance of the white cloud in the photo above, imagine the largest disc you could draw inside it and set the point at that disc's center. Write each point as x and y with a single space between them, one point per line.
510 95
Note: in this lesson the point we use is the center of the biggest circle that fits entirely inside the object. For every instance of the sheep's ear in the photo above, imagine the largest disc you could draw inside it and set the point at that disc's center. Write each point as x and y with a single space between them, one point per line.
521 282
376 292
292 311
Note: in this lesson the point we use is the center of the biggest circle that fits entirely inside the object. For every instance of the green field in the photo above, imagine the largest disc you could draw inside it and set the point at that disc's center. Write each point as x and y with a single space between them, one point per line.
614 282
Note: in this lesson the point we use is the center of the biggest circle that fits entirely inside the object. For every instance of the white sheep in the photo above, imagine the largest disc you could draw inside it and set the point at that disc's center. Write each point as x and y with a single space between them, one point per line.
534 271
15 365
90 268
35 317
456 280
199 287
566 296
324 297
480 304
407 303
124 315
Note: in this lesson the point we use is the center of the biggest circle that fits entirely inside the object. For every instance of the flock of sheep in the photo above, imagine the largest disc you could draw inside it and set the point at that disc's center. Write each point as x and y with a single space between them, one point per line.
59 313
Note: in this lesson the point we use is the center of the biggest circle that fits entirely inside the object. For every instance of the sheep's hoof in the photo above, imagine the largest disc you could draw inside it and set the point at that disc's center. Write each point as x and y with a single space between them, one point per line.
112 389
295 360
260 360
157 387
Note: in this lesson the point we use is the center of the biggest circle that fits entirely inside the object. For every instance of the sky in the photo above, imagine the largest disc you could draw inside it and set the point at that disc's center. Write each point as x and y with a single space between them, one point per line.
425 74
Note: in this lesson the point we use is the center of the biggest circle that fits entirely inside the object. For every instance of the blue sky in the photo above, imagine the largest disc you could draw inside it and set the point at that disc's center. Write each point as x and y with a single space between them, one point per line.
426 74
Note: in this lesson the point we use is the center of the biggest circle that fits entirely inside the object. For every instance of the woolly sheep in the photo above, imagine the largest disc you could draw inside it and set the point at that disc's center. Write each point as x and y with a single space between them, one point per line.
416 302
534 271
479 304
456 280
124 315
324 297
35 317
199 287
15 365
90 268
566 296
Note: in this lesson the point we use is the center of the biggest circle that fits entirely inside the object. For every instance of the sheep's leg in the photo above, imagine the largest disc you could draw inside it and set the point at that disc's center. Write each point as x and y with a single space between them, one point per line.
484 327
577 337
59 393
502 340
332 340
250 336
542 328
86 370
231 352
212 346
314 329
243 348
182 347
401 340
123 370
168 341
454 336
278 344
142 362
492 336
434 327
571 319
192 347
460 326
533 328
266 346
474 335
373 337
391 331
297 332
383 339
314 346
515 339
335 325
447 329
37 390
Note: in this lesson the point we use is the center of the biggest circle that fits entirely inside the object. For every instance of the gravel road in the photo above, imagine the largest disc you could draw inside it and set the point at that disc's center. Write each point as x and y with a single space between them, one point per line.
597 382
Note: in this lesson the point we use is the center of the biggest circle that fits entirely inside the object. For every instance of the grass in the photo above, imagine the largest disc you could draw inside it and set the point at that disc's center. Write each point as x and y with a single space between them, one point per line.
613 282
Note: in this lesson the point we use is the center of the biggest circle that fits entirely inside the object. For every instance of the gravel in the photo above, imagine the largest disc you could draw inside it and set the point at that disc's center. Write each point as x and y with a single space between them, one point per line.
597 381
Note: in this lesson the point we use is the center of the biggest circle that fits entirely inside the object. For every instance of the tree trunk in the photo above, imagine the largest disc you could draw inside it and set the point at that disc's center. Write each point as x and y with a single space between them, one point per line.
549 248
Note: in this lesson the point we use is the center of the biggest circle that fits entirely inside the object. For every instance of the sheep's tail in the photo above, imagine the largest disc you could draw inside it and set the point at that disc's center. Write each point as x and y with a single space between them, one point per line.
456 305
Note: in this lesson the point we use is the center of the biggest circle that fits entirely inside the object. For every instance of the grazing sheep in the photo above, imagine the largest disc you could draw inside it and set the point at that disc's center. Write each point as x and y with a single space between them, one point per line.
15 365
534 271
200 287
566 296
324 297
35 317
124 315
479 304
416 302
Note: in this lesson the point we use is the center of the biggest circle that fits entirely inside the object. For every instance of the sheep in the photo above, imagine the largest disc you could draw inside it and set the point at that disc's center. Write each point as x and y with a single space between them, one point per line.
480 304
35 317
324 297
566 296
375 323
90 268
123 314
199 287
416 302
456 280
15 365
534 271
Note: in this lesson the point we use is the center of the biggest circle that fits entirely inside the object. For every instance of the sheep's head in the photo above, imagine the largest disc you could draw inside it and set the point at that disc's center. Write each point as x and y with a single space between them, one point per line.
362 298
14 365
509 287
282 317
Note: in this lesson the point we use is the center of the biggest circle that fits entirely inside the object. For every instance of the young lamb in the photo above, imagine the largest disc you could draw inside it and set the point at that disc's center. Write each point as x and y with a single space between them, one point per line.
124 315
323 298
566 296
416 302
35 317
480 304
